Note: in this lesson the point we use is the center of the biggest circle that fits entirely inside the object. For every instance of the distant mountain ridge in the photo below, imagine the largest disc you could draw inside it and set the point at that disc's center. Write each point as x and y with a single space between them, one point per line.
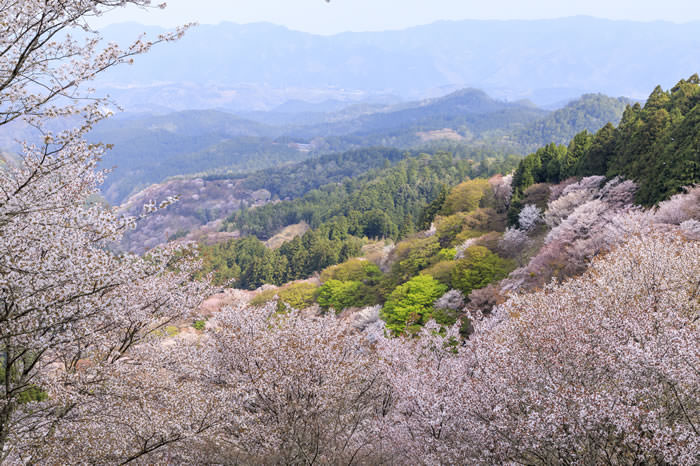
148 148
469 108
547 61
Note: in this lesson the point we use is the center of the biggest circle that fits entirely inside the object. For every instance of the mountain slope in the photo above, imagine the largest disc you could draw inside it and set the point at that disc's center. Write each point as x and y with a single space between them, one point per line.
657 146
590 112
148 149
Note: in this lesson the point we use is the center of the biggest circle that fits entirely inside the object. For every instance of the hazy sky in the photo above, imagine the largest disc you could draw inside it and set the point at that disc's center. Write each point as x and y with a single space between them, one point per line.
320 17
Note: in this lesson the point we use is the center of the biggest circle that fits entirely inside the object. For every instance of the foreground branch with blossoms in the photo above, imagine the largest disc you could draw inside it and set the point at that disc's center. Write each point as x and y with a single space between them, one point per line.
76 319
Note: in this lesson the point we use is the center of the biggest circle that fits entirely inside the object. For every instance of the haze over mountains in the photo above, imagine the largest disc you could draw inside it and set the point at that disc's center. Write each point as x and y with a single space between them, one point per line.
148 149
262 66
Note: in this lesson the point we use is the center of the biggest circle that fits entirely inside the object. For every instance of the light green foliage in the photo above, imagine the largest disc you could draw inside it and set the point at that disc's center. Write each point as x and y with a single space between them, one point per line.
447 254
32 393
465 197
199 324
29 393
442 271
478 268
263 297
350 284
353 270
411 305
447 228
455 229
410 257
298 295
340 295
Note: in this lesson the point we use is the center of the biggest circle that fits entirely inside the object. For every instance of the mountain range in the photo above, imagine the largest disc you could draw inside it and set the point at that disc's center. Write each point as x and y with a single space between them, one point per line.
150 148
262 66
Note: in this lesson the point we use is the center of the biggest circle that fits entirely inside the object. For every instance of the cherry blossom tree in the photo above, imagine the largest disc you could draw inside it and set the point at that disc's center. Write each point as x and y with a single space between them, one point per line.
502 187
307 389
529 217
43 63
514 244
680 208
74 317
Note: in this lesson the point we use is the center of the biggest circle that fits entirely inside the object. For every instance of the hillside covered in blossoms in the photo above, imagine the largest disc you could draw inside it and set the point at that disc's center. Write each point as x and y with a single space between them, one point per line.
403 287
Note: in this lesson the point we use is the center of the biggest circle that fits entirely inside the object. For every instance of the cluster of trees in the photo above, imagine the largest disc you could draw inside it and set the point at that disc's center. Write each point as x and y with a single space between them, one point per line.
293 181
657 146
249 263
354 283
462 254
470 252
380 204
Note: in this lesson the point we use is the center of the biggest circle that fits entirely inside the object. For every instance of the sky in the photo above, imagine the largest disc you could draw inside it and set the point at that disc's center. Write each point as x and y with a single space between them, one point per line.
320 17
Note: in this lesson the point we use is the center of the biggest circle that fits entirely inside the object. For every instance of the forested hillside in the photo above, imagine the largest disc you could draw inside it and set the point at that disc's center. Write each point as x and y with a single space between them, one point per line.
296 180
590 113
386 203
147 149
470 113
394 195
657 146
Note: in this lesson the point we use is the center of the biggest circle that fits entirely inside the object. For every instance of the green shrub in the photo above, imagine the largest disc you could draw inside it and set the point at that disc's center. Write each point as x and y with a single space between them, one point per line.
354 270
411 256
299 295
447 254
478 268
411 305
263 297
199 324
339 295
466 196
442 272
32 393
447 228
